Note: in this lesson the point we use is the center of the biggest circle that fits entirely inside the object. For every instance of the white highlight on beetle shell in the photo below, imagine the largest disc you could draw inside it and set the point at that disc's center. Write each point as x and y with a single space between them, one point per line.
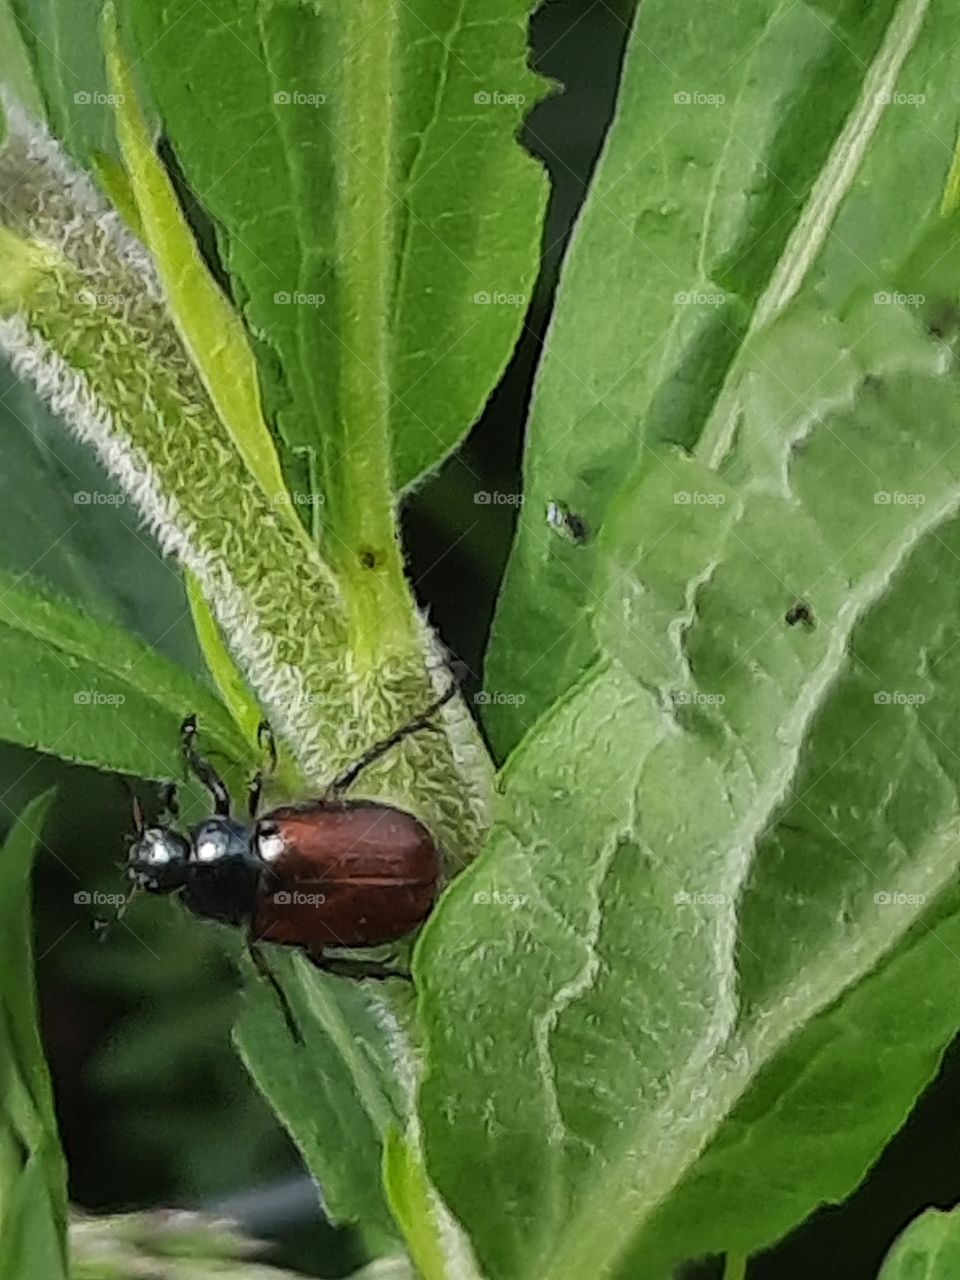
209 850
270 845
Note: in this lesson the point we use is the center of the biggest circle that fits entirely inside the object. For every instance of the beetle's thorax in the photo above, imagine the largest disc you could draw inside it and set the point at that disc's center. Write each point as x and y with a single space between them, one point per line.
225 873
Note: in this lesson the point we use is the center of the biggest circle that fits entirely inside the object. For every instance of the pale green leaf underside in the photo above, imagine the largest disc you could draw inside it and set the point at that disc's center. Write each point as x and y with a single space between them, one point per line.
685 227
929 1249
266 104
687 868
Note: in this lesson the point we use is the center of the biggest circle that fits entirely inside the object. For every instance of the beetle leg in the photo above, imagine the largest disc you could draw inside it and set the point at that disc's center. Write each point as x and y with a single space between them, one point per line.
265 972
254 791
266 742
344 780
348 967
169 803
203 769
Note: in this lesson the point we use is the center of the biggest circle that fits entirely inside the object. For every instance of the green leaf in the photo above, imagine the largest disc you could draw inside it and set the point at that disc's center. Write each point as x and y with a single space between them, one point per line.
929 1249
684 229
63 42
67 525
747 804
93 693
332 1093
33 1195
32 1242
15 72
414 1205
362 163
345 1096
229 680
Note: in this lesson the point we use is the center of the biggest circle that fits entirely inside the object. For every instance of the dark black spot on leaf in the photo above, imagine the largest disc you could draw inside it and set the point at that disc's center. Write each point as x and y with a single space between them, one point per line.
943 320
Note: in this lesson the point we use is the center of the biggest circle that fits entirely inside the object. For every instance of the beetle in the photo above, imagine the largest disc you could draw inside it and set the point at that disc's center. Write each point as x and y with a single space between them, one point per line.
326 872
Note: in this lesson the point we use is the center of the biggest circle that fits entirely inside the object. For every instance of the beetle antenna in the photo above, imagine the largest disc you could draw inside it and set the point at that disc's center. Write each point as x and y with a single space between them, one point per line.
135 806
203 769
425 720
102 928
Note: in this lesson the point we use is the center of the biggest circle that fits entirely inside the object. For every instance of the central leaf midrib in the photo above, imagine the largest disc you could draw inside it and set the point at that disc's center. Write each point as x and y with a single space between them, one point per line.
383 622
813 226
410 178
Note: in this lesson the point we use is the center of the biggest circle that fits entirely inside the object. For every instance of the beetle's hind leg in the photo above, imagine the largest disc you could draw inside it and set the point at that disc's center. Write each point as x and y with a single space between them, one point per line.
424 721
349 967
169 803
263 968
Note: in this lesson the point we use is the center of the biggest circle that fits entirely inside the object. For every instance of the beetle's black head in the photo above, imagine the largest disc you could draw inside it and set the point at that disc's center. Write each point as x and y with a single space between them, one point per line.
158 860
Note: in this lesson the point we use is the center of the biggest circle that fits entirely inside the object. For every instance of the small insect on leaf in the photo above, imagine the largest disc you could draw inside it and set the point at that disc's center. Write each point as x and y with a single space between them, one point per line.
799 614
568 523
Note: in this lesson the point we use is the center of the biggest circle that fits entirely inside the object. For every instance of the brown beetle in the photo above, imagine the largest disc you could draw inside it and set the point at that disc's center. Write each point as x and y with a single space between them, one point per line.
329 872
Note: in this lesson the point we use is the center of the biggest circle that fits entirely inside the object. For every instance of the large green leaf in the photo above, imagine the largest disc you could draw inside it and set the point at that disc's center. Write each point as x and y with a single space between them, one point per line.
929 1249
379 218
684 230
712 864
33 1194
748 803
